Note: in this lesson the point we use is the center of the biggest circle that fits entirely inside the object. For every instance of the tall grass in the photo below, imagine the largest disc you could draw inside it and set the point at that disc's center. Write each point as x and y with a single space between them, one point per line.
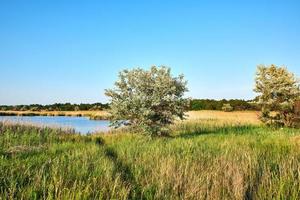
203 160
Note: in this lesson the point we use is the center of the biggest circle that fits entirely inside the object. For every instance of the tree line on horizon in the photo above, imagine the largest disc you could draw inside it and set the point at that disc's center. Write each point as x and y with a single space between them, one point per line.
56 107
195 104
212 104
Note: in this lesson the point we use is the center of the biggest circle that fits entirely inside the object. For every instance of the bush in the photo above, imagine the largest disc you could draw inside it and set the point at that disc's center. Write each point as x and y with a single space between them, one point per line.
227 107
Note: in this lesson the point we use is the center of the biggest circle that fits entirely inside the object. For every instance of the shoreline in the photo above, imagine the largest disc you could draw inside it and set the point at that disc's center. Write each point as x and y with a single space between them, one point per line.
240 116
92 115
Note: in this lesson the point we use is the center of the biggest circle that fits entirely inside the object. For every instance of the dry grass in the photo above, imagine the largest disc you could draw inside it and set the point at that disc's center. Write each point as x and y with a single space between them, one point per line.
296 140
237 117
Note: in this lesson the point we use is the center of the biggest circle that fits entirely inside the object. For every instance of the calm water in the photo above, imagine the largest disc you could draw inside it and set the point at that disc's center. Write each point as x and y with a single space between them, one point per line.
81 124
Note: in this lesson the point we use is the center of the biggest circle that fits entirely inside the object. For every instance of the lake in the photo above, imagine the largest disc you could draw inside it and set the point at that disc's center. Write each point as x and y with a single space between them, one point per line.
80 124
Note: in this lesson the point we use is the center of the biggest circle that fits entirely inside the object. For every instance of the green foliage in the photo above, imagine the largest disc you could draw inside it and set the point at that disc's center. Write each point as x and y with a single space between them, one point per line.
278 90
148 100
227 107
195 104
211 104
56 107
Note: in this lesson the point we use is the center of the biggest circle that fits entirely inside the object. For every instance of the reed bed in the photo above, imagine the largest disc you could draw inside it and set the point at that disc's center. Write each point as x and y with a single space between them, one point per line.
237 116
202 159
94 115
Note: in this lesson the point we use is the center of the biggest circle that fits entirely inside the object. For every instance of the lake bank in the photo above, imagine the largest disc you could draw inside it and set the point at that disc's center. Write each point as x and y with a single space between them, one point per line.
93 115
97 121
82 125
237 116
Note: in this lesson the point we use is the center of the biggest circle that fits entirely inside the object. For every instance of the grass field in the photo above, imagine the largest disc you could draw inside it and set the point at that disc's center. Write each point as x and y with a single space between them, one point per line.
213 155
236 117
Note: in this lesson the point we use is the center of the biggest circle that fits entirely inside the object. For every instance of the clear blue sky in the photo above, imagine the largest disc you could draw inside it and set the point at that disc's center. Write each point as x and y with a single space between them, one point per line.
70 51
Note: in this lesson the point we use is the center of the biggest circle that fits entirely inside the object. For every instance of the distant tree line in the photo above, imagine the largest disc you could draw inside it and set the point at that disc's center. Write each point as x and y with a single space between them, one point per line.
211 104
195 104
56 107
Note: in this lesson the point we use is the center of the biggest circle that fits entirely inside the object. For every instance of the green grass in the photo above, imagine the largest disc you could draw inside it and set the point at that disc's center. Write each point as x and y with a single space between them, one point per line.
198 161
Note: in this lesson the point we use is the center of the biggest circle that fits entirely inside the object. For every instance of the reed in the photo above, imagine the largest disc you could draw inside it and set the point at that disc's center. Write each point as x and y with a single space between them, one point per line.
94 115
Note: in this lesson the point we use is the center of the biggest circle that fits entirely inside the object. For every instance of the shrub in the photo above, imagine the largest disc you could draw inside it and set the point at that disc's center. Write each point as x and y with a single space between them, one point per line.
227 107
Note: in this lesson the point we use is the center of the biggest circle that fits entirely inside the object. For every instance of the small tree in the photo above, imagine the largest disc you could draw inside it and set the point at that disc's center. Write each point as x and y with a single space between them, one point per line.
148 100
227 107
76 108
278 90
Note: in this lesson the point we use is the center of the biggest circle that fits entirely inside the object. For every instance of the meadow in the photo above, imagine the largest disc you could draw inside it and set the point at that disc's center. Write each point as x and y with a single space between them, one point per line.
213 155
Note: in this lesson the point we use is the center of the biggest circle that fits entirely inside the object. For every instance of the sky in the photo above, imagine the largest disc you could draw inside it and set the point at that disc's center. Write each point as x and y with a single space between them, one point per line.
70 51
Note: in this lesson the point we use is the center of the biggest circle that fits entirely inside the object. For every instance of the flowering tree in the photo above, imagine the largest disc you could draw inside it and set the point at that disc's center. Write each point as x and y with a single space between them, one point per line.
148 100
278 90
